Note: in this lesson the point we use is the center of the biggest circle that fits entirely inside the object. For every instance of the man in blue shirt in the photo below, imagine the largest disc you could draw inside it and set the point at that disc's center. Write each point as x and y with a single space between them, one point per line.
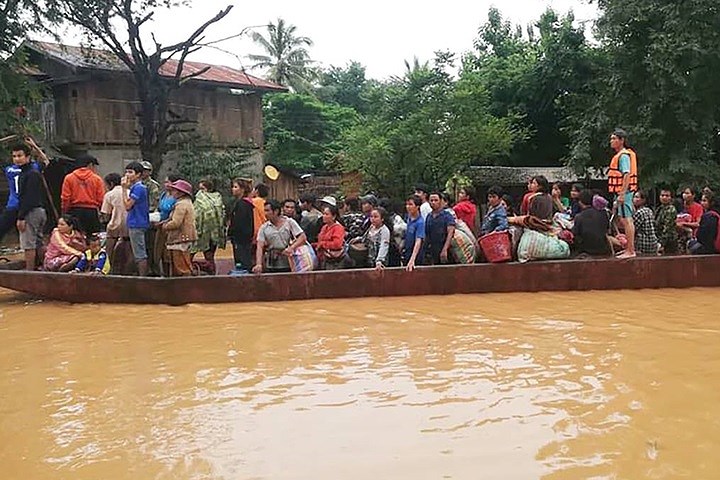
135 197
439 230
495 220
9 215
413 251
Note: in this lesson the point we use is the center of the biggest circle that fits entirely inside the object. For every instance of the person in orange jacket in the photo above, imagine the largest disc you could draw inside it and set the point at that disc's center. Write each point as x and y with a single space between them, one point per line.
82 194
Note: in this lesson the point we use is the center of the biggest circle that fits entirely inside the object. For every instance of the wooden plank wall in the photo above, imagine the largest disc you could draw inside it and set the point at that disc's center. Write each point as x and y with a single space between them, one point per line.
284 187
104 111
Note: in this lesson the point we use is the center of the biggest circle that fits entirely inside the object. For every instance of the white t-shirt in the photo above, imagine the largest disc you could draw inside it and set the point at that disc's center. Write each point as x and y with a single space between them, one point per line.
425 210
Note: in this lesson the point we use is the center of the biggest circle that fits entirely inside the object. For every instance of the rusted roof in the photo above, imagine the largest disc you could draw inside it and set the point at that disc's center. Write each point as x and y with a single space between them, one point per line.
97 59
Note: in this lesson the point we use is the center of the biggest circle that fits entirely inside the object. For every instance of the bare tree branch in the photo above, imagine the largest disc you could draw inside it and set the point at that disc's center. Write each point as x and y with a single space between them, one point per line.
192 39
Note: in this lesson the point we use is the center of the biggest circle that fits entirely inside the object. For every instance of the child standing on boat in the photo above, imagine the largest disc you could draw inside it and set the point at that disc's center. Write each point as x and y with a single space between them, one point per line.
135 199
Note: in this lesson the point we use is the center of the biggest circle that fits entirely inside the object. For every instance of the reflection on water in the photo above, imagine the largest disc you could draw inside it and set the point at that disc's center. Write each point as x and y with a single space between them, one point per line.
509 386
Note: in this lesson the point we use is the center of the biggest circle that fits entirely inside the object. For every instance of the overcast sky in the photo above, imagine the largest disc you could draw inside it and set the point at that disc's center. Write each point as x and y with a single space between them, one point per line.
380 34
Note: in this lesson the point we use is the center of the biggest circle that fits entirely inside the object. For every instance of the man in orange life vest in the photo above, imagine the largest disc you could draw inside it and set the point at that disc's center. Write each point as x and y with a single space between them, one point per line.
623 181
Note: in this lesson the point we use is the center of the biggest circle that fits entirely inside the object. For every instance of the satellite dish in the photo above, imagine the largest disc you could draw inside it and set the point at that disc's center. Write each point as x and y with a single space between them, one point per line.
271 172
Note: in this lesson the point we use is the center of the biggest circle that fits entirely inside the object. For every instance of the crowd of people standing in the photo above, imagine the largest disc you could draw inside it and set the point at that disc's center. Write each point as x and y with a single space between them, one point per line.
176 229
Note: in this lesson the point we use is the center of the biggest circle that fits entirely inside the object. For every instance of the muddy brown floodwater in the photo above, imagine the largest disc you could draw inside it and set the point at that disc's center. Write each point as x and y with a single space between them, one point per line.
611 385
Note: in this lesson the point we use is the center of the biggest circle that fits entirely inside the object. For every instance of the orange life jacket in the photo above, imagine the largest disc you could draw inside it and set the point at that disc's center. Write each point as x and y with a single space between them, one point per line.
615 176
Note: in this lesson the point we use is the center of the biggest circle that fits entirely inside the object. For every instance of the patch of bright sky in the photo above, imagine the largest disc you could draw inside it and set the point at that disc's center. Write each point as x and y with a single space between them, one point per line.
380 34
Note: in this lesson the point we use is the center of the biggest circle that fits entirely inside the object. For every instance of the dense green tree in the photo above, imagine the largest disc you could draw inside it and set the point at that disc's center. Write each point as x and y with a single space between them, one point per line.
17 92
660 83
424 127
302 133
286 57
346 86
530 77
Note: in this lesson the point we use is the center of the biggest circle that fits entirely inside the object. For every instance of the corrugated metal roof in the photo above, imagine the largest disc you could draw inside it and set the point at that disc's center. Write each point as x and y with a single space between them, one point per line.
96 59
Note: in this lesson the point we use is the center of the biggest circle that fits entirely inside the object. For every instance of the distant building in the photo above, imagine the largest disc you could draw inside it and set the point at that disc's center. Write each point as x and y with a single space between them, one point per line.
93 104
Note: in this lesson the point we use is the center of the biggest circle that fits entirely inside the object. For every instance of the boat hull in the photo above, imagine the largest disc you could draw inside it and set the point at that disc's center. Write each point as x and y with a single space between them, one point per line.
569 275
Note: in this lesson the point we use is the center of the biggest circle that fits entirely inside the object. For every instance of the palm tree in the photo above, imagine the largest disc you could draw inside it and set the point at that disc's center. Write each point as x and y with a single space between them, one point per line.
287 59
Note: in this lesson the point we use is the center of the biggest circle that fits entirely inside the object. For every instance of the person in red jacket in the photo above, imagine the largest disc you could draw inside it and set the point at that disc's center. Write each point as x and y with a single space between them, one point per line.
82 194
465 209
330 246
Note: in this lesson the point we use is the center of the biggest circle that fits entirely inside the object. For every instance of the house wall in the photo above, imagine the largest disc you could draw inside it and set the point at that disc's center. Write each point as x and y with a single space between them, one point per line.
102 110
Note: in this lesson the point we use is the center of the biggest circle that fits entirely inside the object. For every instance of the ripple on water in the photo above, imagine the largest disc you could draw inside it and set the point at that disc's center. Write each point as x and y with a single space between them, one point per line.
558 386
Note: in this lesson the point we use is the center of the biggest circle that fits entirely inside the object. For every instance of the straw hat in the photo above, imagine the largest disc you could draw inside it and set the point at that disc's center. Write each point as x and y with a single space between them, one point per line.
182 186
271 172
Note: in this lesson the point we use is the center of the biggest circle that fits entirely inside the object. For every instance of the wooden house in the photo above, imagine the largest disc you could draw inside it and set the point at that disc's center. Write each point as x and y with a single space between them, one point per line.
92 104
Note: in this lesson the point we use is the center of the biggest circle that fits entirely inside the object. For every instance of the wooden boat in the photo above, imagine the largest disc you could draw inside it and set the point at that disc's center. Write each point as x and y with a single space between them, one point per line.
567 275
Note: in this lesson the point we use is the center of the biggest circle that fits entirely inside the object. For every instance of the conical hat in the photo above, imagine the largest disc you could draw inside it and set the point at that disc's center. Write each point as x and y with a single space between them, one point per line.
271 172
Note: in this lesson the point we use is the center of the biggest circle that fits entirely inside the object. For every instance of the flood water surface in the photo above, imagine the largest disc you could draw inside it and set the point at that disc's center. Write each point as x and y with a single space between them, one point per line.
611 385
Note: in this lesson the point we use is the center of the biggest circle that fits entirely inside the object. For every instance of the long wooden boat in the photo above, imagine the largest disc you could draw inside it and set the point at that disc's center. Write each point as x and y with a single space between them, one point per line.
567 275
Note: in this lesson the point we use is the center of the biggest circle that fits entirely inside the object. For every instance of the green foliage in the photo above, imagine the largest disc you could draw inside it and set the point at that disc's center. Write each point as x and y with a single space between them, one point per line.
17 95
346 86
17 92
286 56
424 127
531 79
301 132
660 84
198 161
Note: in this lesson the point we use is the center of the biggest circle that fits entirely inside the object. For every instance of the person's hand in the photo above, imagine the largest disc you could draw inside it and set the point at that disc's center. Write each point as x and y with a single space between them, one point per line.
379 266
621 199
444 256
410 266
288 252
21 225
124 182
257 269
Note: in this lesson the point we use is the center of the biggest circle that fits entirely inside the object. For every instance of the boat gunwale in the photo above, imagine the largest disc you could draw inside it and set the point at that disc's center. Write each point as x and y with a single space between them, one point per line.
550 275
